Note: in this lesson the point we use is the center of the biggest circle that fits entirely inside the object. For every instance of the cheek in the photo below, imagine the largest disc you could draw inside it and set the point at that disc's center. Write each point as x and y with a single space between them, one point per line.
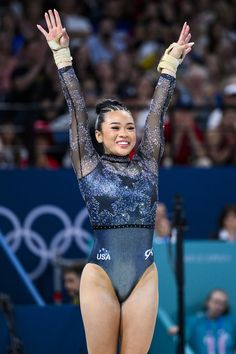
109 136
134 137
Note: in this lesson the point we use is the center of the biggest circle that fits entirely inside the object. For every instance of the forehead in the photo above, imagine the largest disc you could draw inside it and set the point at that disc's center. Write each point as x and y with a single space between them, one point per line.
219 295
119 116
161 208
230 214
71 274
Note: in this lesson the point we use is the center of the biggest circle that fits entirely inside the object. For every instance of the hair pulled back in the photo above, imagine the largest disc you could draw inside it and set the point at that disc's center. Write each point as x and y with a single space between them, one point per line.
105 106
228 209
226 310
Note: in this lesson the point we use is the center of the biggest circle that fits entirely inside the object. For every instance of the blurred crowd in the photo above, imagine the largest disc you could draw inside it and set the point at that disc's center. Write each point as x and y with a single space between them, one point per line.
116 46
225 232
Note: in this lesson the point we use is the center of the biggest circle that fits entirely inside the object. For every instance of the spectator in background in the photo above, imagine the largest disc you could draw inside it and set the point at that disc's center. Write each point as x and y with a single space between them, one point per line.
228 127
28 78
213 330
44 152
143 98
196 85
7 64
126 75
217 151
107 85
221 141
196 90
12 152
52 102
78 25
221 132
71 278
162 230
228 99
26 15
126 40
184 139
82 63
105 45
227 224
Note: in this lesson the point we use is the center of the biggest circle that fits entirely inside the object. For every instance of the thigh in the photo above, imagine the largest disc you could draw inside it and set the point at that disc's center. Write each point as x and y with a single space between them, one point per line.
138 314
100 311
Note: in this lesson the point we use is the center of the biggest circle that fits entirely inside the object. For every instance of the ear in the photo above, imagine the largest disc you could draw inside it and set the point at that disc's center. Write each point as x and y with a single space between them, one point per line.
98 136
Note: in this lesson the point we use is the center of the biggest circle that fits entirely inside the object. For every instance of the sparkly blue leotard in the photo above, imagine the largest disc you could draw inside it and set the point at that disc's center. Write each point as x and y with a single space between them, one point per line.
120 194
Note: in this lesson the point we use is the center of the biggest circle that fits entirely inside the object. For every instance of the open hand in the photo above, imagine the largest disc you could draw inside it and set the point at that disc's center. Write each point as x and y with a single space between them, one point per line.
184 45
55 30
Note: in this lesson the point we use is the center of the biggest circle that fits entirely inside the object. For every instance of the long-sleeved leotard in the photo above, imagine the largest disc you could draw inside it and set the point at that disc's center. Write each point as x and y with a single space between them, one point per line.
120 194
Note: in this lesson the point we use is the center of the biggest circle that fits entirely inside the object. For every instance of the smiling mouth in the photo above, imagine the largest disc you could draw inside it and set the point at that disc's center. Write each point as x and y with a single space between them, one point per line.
123 142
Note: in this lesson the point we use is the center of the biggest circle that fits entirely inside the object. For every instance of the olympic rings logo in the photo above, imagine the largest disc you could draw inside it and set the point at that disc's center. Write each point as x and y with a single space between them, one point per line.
36 244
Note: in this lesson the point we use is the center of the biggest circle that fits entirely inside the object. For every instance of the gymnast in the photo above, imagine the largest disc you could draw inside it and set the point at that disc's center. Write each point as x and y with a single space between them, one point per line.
119 284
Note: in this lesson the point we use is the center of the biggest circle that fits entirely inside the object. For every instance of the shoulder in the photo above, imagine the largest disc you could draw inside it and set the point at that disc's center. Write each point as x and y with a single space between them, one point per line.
231 319
196 318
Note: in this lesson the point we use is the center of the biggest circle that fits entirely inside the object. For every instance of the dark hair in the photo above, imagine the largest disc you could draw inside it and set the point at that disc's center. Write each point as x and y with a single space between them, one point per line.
76 268
227 210
105 106
227 307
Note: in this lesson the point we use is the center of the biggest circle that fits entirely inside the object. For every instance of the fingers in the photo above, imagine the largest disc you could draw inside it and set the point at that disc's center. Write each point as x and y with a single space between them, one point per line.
57 18
183 30
52 18
188 48
65 33
48 21
184 35
42 30
188 38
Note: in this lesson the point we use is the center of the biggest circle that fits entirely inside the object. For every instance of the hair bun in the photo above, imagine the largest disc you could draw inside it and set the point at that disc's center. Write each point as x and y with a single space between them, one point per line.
99 107
106 104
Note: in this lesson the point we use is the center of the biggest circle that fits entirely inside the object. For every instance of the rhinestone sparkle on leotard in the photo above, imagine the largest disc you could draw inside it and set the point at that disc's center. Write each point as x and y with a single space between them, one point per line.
118 192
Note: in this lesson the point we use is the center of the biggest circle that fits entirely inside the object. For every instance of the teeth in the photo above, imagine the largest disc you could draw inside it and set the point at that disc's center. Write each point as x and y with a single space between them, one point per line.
123 143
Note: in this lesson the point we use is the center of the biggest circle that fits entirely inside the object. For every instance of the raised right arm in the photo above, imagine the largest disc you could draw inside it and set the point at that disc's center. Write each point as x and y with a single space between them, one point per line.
83 154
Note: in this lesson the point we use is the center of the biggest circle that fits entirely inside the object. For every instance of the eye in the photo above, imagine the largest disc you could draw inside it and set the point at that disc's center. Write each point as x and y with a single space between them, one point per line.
131 128
115 128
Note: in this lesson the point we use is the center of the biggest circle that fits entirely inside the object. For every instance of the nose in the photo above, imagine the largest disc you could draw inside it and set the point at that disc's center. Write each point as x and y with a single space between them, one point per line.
122 132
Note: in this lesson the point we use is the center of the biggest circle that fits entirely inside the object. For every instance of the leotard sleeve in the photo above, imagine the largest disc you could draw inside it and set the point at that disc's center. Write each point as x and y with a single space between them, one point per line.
83 154
152 143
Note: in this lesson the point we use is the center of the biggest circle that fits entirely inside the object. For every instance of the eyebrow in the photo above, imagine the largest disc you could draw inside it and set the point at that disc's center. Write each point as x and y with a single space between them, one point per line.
120 123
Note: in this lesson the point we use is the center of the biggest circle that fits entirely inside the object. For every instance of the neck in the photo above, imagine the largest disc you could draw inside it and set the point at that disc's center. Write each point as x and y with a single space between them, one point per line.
112 154
115 158
211 316
232 233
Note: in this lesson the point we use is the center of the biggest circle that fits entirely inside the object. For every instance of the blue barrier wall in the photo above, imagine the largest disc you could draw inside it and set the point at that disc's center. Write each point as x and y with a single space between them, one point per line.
207 265
14 280
42 214
47 330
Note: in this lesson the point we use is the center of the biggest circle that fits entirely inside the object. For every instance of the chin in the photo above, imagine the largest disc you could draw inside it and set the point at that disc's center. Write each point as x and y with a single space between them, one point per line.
122 152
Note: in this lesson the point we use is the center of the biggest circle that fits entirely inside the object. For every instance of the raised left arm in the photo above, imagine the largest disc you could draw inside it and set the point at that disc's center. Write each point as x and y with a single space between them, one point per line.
152 143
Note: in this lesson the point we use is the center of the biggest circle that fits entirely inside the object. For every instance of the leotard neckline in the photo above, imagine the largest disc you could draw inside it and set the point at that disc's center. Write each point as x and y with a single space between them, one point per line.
116 158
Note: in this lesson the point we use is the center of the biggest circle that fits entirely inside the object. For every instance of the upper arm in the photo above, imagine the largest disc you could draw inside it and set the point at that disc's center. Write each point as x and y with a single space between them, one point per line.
83 154
152 143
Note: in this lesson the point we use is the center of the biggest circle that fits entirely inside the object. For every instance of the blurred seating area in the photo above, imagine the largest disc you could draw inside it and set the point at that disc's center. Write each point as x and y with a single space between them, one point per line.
116 46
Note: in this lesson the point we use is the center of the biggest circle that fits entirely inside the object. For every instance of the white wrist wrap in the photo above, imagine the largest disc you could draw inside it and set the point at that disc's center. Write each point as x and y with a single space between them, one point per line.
168 61
61 54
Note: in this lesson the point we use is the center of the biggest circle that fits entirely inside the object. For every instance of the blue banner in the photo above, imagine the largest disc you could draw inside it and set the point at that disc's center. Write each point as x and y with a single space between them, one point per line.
43 216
